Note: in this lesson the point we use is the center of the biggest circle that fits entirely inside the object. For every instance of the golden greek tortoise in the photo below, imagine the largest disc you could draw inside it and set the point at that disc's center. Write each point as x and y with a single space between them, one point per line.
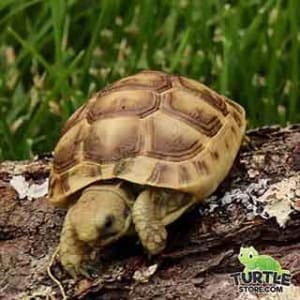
136 156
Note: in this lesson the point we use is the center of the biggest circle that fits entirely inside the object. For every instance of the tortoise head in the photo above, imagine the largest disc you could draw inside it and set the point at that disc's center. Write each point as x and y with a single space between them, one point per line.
101 215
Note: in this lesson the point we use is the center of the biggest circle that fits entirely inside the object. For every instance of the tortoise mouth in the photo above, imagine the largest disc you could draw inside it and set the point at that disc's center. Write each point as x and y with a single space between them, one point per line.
110 237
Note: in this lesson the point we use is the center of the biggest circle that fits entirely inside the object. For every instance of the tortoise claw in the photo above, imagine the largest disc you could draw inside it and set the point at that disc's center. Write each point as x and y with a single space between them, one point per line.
71 271
88 270
73 264
84 271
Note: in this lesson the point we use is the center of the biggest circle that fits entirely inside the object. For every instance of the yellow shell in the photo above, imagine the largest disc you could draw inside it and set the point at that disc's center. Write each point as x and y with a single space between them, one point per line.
153 129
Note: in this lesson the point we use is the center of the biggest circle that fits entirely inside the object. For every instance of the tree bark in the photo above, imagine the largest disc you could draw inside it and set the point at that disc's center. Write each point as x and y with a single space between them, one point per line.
258 204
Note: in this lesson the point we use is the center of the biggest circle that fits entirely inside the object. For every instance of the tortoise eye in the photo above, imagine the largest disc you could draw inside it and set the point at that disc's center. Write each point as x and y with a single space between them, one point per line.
126 212
109 221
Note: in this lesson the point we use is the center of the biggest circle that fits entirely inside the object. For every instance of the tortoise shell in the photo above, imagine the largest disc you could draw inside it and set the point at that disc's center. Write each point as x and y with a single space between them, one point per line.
152 129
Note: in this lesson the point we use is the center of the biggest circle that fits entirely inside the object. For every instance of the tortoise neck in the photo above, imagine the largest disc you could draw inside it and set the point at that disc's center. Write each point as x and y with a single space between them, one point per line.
114 187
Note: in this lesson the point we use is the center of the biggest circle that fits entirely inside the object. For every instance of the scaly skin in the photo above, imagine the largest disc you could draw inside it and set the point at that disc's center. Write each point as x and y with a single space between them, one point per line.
104 213
149 227
73 253
100 216
153 210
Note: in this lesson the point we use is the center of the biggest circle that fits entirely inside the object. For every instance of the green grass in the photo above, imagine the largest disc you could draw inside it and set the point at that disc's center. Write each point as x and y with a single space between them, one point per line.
55 54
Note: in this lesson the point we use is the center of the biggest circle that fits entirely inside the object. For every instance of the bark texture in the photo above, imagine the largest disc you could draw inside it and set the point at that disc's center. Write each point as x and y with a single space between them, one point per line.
258 204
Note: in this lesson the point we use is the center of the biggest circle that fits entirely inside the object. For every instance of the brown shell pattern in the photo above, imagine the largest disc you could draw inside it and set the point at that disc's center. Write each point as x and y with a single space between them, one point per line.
152 129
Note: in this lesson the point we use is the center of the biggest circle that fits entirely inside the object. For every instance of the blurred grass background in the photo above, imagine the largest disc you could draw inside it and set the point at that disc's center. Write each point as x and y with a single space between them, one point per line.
55 54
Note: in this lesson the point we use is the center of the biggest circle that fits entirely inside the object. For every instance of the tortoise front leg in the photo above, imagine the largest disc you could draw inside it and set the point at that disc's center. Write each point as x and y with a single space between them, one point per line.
149 227
72 251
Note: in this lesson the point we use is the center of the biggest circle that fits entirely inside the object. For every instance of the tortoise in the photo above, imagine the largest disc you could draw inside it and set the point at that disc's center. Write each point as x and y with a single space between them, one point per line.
135 157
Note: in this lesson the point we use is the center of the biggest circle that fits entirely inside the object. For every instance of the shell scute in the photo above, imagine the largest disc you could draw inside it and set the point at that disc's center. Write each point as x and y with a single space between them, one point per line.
153 80
201 117
141 103
68 150
167 141
110 140
206 94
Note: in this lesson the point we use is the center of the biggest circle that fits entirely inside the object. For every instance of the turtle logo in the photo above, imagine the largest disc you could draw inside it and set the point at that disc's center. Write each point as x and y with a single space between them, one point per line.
261 273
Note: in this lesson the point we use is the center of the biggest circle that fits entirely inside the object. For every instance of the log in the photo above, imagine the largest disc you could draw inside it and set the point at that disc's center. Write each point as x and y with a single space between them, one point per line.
258 204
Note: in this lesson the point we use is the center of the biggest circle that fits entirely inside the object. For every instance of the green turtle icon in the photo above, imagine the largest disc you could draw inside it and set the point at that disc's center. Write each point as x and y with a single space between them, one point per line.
252 261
